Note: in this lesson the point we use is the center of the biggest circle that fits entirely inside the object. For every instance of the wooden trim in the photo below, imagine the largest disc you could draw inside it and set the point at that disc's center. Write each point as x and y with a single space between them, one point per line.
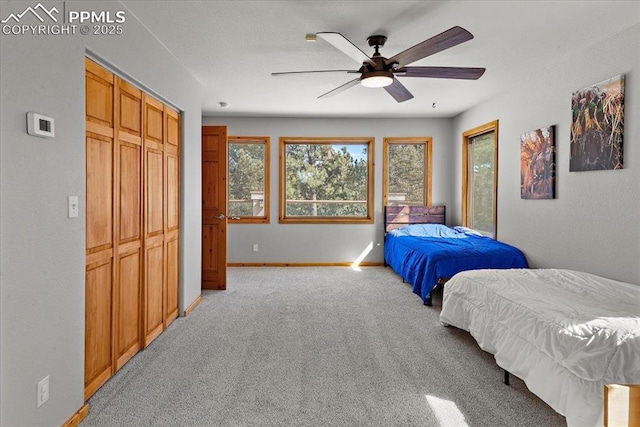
125 137
77 418
98 259
429 170
465 178
466 137
248 220
266 141
193 305
115 231
97 382
303 264
622 405
98 129
97 69
153 334
368 219
428 142
327 220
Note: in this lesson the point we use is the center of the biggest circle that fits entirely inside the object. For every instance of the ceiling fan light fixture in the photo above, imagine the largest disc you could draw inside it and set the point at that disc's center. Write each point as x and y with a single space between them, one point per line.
376 79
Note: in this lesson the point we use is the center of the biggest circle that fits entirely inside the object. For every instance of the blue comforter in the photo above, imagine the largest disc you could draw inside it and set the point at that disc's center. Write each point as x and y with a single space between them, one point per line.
424 253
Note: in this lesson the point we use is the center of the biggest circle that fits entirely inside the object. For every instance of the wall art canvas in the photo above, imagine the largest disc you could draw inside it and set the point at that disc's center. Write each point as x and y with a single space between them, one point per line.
597 126
538 164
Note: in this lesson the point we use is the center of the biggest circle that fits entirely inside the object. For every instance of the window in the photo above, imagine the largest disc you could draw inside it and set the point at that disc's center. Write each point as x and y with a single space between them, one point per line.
326 180
480 178
406 171
248 179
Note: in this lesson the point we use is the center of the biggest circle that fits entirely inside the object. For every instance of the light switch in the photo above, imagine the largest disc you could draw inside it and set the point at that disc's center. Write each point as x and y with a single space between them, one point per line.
73 206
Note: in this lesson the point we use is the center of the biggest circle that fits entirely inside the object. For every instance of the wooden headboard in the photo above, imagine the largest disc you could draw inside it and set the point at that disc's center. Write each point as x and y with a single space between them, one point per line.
397 216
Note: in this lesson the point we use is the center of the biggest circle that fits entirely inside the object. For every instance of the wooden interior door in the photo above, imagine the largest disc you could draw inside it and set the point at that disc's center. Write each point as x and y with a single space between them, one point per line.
128 224
154 217
214 207
99 85
172 215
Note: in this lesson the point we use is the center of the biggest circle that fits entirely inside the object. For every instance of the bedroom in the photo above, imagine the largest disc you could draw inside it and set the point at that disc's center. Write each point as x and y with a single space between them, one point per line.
590 226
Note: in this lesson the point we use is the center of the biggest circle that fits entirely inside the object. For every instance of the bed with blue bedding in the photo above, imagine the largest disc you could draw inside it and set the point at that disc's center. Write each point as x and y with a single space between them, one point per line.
425 252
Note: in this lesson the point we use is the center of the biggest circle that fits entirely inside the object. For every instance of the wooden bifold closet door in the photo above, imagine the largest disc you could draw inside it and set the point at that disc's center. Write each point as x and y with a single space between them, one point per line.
132 222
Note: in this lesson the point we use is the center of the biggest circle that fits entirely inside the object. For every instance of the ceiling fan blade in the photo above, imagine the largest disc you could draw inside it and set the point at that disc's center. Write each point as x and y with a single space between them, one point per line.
342 88
398 91
452 37
284 73
343 44
441 72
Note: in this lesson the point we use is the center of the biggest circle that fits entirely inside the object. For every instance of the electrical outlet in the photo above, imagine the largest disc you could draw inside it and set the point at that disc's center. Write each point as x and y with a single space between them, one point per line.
42 391
255 247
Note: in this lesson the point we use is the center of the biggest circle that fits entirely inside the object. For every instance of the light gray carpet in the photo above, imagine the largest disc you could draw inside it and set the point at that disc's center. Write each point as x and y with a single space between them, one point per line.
314 347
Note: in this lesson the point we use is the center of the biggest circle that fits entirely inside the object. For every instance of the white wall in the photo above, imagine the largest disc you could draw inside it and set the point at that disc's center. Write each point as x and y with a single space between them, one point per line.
329 243
42 252
592 224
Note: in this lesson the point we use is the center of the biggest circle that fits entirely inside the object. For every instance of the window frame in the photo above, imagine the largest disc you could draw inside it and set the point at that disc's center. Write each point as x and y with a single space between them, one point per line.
368 219
266 141
428 142
467 139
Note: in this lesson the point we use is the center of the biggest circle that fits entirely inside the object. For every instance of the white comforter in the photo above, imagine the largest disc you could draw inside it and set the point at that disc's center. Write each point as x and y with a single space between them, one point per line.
565 333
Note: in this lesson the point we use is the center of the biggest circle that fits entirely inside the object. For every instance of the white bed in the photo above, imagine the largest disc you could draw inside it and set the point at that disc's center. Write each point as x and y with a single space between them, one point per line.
565 333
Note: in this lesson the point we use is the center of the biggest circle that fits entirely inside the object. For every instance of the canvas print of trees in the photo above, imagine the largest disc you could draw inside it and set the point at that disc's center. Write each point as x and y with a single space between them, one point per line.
537 164
597 127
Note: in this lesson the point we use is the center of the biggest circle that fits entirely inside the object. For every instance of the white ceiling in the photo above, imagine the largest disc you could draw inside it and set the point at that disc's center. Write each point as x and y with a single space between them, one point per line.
232 47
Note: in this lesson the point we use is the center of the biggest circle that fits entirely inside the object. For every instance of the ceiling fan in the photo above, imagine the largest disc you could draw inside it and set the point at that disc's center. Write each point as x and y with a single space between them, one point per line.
378 71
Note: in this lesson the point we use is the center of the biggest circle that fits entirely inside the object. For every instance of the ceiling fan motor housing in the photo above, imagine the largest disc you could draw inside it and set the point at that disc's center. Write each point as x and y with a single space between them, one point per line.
376 73
377 40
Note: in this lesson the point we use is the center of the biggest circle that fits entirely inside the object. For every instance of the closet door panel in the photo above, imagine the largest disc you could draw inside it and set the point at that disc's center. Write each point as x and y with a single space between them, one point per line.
99 185
98 288
128 284
154 193
154 123
172 214
154 282
99 95
173 193
99 241
129 109
130 193
154 243
173 129
172 289
128 306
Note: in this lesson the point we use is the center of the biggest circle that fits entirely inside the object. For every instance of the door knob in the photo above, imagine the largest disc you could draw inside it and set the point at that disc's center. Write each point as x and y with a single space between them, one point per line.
221 216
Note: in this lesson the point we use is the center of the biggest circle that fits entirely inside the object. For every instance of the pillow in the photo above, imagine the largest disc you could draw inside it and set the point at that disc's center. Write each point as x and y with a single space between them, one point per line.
427 230
468 231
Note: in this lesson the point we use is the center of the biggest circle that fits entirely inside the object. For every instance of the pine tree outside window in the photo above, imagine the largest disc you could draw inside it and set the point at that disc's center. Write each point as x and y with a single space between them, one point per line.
480 179
248 179
326 180
407 171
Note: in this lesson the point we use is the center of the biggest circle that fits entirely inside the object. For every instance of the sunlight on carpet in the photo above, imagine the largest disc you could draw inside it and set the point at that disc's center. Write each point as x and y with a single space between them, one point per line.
356 264
446 412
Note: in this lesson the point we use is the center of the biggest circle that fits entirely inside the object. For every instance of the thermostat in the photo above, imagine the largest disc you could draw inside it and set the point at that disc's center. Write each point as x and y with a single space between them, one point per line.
39 125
